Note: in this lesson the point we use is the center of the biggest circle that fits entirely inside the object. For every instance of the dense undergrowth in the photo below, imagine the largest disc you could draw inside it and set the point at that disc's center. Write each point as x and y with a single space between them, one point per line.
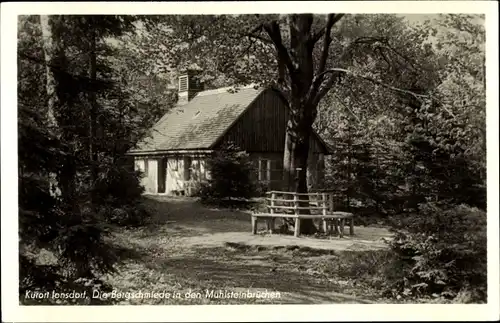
441 252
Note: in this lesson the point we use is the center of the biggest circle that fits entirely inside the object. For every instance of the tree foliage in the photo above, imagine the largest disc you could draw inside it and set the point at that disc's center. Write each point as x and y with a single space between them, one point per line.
232 175
410 150
417 160
77 118
442 253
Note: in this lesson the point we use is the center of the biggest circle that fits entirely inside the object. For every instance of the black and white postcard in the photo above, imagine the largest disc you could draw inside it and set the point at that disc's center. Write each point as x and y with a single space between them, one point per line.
250 161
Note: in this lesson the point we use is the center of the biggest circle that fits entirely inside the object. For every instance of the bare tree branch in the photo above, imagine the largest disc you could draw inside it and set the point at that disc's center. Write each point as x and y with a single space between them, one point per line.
255 33
368 78
381 52
317 36
332 19
318 79
329 84
274 32
276 41
326 43
404 57
348 109
323 90
247 50
369 40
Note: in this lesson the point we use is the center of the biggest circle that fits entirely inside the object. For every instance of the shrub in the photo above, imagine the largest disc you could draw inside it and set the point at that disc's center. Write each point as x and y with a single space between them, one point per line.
230 177
118 185
61 245
117 192
442 252
261 188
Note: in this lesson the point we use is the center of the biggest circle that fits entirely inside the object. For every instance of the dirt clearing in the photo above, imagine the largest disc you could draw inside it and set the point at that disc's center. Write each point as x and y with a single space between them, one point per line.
208 256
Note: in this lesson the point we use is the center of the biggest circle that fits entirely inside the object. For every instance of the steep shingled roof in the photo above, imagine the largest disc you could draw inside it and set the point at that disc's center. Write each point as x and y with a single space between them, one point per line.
200 122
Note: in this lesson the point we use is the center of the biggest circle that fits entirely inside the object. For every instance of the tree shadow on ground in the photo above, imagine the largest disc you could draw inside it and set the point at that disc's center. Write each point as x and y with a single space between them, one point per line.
126 253
165 253
241 269
185 214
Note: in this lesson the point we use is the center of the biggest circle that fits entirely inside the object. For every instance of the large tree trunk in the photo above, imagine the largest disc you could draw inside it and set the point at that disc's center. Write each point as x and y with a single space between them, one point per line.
300 121
295 165
93 154
51 49
61 183
305 91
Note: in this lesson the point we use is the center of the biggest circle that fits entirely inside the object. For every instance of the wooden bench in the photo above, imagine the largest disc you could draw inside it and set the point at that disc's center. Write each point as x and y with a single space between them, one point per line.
299 206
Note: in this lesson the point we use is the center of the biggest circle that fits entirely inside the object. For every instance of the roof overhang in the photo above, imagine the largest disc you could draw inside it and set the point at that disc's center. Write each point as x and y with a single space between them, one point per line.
169 152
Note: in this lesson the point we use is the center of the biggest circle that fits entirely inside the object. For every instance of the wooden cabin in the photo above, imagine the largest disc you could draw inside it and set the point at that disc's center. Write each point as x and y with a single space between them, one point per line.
173 158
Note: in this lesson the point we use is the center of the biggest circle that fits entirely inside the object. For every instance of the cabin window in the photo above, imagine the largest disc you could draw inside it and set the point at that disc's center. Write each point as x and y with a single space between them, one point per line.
203 170
146 164
139 165
174 164
265 168
187 168
270 170
206 170
197 170
262 169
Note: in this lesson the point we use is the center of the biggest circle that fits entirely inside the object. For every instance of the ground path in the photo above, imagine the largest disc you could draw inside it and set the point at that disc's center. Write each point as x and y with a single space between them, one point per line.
216 227
191 248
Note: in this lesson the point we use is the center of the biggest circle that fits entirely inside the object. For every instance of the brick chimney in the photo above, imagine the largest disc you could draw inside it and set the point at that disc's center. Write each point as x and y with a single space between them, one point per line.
189 85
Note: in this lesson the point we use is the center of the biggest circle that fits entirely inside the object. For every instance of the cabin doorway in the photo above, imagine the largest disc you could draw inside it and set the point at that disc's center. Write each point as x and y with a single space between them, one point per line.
162 178
174 175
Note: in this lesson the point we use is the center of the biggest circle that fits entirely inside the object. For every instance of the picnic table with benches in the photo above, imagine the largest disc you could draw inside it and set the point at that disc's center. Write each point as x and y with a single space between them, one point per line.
298 206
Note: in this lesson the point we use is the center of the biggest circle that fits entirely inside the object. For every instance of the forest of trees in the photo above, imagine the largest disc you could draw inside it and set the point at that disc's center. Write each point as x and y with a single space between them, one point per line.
84 100
402 104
